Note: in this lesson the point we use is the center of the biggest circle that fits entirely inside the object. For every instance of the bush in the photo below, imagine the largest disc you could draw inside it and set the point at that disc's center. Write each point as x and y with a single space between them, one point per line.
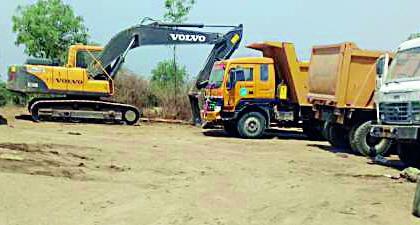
173 107
134 90
154 100
7 97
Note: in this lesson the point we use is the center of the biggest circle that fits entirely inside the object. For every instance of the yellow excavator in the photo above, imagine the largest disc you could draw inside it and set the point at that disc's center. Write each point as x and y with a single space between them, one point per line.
87 78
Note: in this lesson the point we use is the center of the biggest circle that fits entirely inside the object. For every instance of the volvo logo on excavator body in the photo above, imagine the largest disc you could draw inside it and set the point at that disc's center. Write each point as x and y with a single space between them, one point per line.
188 37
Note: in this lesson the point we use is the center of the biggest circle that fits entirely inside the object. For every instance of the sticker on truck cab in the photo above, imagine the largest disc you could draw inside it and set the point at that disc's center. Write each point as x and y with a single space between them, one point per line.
283 92
243 92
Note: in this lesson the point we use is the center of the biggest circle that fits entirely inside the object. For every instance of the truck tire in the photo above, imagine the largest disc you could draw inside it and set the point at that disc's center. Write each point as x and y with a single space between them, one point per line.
312 132
326 130
251 125
367 145
353 145
409 154
231 128
337 135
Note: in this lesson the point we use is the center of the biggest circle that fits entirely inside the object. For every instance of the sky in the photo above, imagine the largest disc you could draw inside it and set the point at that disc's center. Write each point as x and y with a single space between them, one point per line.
371 24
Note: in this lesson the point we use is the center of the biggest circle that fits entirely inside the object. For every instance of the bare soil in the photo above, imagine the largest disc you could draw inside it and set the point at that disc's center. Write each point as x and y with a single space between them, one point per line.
54 173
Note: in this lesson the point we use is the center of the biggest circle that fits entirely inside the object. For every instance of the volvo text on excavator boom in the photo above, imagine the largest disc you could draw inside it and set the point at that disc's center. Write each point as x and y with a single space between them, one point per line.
87 79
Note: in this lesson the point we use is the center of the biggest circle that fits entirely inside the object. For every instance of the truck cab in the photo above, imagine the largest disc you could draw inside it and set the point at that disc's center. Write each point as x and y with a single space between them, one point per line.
398 100
249 95
236 80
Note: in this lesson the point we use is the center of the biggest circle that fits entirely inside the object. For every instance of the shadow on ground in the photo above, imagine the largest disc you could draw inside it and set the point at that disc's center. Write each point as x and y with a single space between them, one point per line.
270 134
24 117
383 161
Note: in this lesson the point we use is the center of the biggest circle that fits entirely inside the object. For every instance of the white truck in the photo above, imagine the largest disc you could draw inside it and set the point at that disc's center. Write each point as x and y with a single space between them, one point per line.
398 100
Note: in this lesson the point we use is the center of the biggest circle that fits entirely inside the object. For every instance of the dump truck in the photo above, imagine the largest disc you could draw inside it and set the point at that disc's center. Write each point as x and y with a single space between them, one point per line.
398 100
249 95
85 82
342 81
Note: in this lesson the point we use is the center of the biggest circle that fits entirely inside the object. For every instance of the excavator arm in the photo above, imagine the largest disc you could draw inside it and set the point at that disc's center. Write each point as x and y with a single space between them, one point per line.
114 53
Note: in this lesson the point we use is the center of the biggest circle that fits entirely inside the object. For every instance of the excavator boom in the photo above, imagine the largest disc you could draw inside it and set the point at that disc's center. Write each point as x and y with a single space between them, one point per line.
114 53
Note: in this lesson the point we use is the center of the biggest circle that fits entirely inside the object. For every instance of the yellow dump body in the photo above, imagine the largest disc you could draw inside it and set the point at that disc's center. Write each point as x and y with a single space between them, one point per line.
342 76
289 70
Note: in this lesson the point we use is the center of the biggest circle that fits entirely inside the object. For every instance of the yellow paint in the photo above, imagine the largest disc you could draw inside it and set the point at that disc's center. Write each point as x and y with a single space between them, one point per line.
343 76
283 92
70 78
235 39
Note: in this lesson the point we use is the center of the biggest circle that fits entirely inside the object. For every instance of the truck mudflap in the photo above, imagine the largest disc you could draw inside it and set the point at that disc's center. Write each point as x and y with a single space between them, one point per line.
395 132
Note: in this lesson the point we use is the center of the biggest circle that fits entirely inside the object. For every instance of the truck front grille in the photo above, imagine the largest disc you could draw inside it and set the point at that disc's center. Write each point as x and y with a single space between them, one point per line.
397 112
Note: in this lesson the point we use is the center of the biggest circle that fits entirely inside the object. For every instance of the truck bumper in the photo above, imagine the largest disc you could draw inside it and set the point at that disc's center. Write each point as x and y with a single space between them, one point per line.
211 117
395 132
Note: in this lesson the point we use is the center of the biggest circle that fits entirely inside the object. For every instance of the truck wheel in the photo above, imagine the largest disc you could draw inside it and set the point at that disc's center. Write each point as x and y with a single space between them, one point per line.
230 128
367 145
337 135
409 154
313 132
251 125
326 130
353 145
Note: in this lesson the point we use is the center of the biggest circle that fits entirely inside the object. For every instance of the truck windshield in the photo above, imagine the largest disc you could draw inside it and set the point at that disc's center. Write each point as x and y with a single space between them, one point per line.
216 77
405 66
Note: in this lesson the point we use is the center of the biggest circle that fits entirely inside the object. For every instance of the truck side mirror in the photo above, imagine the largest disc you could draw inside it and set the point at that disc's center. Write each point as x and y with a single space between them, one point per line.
380 67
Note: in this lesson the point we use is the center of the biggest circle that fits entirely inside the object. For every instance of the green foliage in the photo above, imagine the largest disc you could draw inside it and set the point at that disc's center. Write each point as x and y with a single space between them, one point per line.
6 97
177 10
166 75
47 28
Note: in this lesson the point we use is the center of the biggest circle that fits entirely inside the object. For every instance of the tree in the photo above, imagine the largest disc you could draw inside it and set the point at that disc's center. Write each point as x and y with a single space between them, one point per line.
165 73
47 28
177 11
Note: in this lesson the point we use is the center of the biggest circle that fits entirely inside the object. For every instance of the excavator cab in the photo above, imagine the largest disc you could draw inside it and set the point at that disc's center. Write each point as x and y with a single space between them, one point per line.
82 56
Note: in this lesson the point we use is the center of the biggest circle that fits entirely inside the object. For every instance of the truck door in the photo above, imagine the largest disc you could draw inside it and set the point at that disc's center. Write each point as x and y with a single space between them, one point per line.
382 65
265 82
241 85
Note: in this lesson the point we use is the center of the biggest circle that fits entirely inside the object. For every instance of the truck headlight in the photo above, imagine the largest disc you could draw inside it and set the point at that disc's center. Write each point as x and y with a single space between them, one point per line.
416 117
382 116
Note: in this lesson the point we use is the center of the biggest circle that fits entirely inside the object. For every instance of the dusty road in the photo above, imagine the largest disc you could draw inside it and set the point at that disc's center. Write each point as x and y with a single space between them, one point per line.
168 174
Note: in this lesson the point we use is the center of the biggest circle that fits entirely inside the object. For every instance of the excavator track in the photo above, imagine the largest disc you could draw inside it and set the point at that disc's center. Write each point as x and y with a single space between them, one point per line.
76 110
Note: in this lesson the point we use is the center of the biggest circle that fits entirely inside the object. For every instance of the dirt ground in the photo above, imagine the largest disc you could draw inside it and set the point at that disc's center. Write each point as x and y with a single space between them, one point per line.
177 175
